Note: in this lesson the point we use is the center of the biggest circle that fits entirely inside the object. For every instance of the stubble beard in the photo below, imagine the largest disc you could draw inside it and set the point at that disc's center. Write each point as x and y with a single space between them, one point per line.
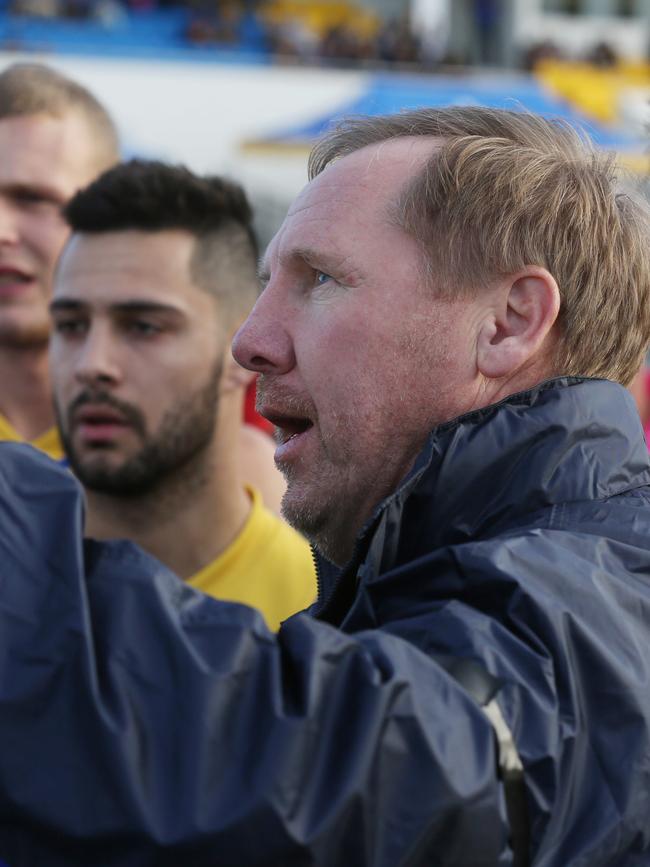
184 434
331 502
318 504
322 495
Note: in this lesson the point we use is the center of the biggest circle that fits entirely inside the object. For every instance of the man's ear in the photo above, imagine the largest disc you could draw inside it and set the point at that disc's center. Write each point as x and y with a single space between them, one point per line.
520 322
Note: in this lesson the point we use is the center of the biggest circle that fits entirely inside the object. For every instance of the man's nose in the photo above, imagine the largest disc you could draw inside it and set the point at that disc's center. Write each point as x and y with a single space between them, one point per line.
9 230
264 342
97 361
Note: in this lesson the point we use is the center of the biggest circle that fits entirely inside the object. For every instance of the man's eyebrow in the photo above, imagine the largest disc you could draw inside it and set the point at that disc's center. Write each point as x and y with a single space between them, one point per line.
40 189
63 304
311 256
141 306
135 306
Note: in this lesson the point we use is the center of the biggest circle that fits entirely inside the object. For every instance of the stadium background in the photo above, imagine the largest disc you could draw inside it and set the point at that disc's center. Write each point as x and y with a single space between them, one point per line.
241 87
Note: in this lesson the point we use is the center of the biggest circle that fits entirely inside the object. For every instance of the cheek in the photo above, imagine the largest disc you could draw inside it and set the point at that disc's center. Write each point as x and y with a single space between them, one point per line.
47 240
62 381
163 379
61 363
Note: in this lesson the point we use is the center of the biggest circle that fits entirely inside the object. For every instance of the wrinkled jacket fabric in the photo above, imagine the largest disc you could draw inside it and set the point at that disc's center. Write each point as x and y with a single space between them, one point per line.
142 723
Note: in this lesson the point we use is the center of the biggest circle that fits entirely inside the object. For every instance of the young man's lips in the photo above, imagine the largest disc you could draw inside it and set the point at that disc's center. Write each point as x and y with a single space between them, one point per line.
99 424
14 282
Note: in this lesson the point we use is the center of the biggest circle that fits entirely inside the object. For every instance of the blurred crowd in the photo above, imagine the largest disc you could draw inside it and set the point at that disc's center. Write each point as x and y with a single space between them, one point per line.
339 34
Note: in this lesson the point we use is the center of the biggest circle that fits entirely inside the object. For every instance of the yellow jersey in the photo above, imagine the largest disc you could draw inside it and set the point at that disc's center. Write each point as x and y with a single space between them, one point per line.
268 566
48 442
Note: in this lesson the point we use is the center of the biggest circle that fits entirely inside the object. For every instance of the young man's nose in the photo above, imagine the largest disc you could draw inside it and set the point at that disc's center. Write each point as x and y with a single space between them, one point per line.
97 360
9 232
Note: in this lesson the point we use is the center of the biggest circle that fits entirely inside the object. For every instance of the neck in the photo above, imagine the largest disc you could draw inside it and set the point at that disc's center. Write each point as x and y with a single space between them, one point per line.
25 398
186 522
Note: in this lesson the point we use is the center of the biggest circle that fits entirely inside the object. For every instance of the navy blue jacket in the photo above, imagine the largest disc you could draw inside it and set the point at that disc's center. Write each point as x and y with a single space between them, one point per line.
142 723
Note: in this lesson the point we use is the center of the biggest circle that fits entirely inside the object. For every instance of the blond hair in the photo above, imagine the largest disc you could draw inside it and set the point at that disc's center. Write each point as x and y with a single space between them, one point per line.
33 88
506 190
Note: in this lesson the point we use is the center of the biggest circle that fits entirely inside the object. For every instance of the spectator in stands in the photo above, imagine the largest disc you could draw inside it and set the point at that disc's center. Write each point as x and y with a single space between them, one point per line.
213 23
486 23
538 52
397 44
55 137
443 307
160 270
602 55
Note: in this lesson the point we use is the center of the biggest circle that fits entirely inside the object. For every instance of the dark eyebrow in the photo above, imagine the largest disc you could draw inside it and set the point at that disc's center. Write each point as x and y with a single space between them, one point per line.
47 192
136 306
66 304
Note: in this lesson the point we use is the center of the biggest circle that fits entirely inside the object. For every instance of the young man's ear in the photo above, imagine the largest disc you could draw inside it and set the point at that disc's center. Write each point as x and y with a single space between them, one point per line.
518 330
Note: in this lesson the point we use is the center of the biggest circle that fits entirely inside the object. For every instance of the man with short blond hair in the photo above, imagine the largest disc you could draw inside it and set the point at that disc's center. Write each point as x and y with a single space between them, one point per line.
55 137
471 687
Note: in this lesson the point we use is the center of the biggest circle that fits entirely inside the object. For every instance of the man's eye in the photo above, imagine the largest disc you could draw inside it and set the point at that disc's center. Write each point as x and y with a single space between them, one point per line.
322 278
70 327
143 328
32 197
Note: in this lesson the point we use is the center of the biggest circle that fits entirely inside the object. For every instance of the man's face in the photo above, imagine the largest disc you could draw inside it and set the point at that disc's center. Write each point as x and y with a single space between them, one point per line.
135 358
359 359
43 161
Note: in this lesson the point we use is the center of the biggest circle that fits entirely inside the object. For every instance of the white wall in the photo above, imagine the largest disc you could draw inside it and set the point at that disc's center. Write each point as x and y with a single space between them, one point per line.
199 113
575 34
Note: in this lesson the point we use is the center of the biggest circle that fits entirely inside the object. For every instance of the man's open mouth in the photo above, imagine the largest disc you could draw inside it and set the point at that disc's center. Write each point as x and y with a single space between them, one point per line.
288 427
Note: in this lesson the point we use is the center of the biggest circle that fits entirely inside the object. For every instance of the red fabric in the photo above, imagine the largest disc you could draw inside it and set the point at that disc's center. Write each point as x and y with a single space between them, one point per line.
646 420
251 415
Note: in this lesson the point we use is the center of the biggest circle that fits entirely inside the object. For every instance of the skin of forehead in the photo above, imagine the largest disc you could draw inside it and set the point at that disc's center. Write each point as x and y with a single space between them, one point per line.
377 172
157 260
399 157
392 162
52 147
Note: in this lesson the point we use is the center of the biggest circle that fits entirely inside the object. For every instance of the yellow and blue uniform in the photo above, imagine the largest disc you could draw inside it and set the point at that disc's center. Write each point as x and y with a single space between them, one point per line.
48 442
269 566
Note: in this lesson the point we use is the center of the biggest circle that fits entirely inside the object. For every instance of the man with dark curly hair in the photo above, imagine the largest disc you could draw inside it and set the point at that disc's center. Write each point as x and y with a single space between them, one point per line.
160 271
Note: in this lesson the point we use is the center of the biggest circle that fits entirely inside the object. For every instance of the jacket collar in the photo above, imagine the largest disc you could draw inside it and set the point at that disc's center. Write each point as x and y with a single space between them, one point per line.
565 440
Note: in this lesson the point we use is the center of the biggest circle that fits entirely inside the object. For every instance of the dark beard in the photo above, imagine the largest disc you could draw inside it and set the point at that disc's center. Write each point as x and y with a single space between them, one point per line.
184 432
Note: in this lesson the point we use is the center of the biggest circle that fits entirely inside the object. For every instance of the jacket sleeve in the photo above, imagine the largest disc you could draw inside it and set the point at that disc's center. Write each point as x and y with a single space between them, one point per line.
143 723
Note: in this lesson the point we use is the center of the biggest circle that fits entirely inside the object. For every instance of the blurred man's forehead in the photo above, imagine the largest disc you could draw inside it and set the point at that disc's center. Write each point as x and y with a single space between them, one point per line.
58 150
